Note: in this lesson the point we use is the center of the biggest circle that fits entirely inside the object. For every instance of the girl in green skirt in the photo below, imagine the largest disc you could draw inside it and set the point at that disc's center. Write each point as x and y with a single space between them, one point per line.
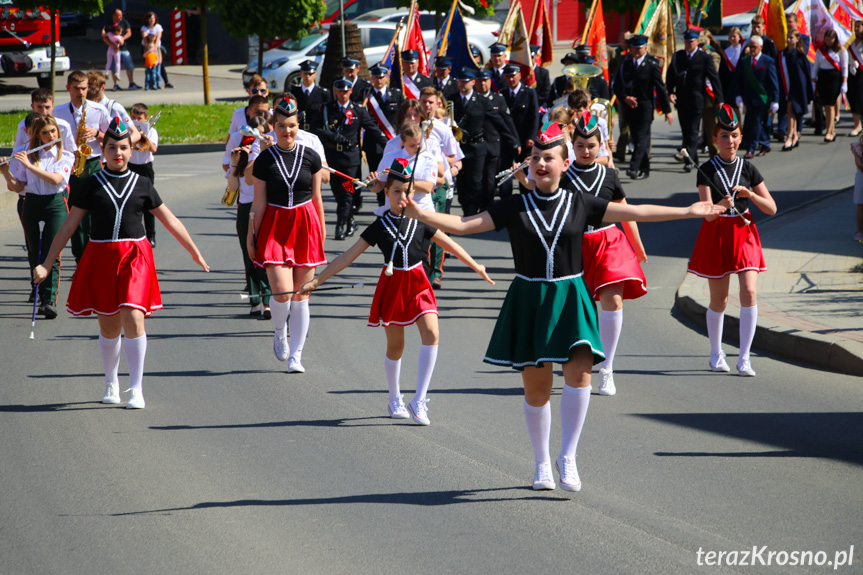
548 315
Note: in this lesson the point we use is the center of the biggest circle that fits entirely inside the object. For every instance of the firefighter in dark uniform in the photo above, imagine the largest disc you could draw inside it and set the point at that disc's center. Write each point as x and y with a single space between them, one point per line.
342 123
443 79
410 67
636 81
686 79
310 97
524 110
496 63
495 139
543 79
381 99
351 69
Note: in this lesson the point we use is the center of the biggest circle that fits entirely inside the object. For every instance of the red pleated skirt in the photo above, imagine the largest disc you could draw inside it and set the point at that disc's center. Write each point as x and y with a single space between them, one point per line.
609 259
112 275
402 297
726 246
290 236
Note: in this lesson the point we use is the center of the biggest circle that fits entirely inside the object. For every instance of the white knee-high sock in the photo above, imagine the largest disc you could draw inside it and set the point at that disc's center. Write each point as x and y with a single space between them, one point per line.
428 357
300 318
573 410
748 321
110 349
715 323
610 325
136 351
279 311
393 369
538 420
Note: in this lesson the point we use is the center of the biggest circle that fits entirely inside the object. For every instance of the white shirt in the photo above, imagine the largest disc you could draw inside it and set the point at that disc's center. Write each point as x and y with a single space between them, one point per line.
822 63
734 53
141 158
247 191
640 60
448 144
853 65
426 170
22 139
148 32
238 120
17 169
115 108
97 117
49 162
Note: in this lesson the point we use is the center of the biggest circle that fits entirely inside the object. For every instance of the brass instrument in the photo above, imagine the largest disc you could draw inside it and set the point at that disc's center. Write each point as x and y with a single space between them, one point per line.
83 151
143 144
582 73
507 174
602 108
230 196
450 113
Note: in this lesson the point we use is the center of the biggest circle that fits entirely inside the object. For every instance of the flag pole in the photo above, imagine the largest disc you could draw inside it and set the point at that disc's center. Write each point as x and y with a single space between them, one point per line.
590 16
444 40
641 16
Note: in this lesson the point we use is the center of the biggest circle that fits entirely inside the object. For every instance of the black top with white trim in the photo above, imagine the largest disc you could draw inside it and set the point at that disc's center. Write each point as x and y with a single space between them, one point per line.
725 176
116 202
414 235
595 180
546 231
288 174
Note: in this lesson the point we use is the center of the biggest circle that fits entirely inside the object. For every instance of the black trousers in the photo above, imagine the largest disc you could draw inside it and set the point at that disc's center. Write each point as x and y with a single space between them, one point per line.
343 191
489 170
640 119
82 235
468 183
690 124
146 170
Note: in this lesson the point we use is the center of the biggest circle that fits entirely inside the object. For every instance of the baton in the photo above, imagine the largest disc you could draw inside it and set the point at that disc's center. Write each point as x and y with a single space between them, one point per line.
685 154
349 286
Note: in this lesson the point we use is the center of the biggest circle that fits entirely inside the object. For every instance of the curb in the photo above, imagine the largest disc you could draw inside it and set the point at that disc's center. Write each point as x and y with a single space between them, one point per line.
829 352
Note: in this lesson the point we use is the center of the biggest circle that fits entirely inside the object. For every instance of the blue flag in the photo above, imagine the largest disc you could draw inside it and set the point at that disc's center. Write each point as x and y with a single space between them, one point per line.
457 47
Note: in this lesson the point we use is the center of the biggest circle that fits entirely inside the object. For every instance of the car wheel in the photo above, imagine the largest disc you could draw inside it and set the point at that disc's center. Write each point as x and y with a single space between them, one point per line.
293 79
44 81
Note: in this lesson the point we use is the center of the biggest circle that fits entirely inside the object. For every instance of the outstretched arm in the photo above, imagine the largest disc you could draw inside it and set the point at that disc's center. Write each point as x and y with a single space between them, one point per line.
448 223
631 231
451 246
655 213
341 262
65 232
178 230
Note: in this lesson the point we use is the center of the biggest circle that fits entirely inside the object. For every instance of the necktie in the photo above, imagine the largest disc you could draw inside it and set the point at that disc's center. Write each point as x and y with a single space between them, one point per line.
464 101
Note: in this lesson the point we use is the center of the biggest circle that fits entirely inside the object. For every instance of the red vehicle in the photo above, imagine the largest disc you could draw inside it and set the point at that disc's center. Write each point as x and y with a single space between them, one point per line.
25 43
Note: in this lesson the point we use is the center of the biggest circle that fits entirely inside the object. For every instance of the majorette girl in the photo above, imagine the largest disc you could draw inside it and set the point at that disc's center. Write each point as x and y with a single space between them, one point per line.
728 244
548 315
116 278
287 235
406 296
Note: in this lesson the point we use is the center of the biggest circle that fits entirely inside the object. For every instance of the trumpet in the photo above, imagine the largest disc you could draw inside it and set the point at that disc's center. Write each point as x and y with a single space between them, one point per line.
31 150
457 132
508 173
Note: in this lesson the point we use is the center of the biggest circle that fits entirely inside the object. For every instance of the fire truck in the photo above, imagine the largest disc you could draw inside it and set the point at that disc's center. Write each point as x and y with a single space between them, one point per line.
25 43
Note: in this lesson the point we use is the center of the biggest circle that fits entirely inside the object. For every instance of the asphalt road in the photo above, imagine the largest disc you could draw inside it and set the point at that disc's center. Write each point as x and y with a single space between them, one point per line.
237 467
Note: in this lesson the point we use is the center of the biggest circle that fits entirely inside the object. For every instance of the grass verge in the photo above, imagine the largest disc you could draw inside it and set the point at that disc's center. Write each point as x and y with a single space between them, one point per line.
178 124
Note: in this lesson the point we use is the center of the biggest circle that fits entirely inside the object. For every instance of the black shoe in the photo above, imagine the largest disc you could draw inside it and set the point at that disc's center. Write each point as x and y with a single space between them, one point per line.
352 227
133 86
267 313
679 157
169 85
49 311
436 284
631 174
787 148
152 242
688 167
641 176
340 232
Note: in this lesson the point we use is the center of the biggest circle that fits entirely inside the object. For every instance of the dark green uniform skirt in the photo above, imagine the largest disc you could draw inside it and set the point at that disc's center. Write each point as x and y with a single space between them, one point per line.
541 321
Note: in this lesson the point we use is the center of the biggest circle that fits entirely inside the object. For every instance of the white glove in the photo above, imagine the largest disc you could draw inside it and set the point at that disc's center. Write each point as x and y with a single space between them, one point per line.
774 107
844 88
739 102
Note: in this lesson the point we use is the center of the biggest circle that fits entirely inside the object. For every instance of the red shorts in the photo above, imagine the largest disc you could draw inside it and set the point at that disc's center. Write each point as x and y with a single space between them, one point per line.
290 236
402 297
112 275
609 259
726 246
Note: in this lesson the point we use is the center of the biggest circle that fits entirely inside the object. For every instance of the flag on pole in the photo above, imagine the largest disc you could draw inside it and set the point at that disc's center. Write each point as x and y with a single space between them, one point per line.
846 13
451 41
414 39
594 36
776 28
513 34
657 24
393 60
813 16
540 32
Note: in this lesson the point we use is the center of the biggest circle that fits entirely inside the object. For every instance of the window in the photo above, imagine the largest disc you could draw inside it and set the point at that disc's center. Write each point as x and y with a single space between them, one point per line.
379 37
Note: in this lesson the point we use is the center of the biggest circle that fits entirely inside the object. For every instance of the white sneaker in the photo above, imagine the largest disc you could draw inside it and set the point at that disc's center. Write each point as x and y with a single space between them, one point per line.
112 393
419 411
542 477
568 472
294 366
606 383
718 363
744 368
280 345
136 399
397 409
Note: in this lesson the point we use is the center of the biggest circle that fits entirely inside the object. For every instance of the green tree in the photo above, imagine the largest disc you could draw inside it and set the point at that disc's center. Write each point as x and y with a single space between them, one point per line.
269 19
52 8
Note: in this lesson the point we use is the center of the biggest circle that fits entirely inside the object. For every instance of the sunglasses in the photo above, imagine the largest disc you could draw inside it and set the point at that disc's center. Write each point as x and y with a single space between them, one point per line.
258 90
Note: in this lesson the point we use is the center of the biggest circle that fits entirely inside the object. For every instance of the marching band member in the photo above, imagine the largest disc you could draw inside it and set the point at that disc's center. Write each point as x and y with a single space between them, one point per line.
428 167
116 278
405 297
42 102
726 243
548 315
287 235
383 103
241 116
310 97
43 177
142 162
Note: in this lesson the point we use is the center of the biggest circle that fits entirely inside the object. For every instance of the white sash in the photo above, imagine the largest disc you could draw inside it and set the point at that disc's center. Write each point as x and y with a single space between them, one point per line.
380 118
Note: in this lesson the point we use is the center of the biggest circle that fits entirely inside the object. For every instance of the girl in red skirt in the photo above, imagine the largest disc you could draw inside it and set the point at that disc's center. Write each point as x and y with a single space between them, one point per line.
116 278
287 235
406 296
729 244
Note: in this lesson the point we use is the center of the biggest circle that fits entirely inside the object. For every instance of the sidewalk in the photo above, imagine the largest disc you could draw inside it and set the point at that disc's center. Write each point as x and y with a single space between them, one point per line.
810 299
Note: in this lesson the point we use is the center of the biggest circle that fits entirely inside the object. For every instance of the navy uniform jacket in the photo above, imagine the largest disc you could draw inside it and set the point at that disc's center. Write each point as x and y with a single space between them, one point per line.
495 137
422 81
686 78
765 74
310 106
641 82
450 89
471 118
358 92
341 136
390 108
524 110
543 84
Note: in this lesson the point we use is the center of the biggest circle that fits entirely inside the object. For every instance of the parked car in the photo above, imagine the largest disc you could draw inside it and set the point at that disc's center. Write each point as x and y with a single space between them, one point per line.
480 35
281 67
74 23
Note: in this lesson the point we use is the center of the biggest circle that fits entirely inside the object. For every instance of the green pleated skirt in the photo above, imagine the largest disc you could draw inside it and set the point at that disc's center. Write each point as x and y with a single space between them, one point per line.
541 321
